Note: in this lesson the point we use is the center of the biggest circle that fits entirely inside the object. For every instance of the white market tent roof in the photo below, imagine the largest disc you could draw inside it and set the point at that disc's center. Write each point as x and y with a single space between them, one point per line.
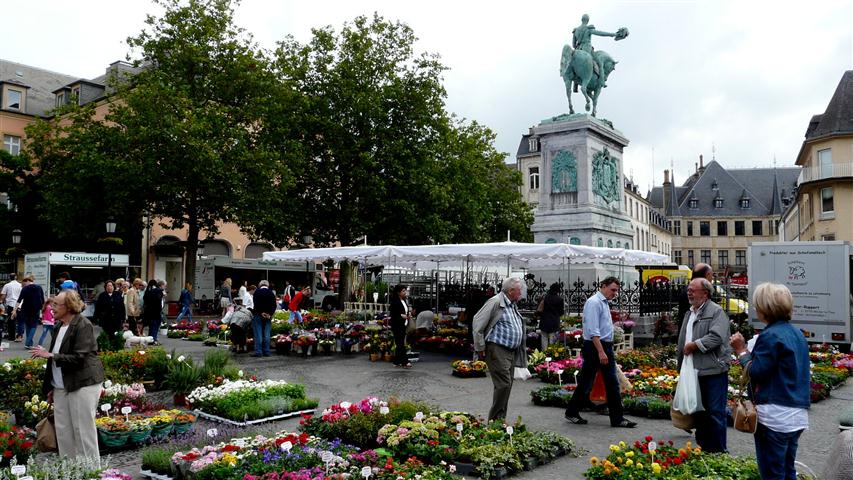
525 255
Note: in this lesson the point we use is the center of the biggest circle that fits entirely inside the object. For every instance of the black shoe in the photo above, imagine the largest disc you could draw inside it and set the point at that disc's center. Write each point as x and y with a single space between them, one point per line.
576 419
625 423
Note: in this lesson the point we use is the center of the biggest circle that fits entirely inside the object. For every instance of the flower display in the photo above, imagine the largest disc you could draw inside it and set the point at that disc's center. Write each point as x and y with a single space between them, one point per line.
250 399
469 368
16 443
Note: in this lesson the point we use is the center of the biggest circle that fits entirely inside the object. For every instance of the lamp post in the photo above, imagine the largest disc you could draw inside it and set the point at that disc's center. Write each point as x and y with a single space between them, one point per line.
16 241
111 229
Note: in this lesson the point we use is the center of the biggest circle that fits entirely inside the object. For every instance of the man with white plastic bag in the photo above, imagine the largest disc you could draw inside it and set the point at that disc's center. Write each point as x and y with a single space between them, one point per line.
498 331
687 399
704 339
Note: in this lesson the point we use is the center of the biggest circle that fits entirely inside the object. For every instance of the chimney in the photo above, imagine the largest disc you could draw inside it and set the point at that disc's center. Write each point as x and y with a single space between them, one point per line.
696 166
665 177
701 162
667 193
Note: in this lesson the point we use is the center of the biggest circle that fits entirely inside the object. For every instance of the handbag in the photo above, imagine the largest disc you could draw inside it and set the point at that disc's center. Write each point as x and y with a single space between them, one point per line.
745 415
684 421
46 435
599 392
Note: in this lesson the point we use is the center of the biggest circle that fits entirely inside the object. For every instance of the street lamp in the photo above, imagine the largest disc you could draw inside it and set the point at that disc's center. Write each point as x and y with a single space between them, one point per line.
111 229
16 240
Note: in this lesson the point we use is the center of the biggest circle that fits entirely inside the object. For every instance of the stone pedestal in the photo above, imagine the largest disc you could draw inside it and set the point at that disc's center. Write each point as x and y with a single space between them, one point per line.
581 193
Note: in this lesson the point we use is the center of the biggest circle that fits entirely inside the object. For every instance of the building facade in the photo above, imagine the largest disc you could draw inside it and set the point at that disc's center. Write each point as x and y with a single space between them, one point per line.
716 213
823 206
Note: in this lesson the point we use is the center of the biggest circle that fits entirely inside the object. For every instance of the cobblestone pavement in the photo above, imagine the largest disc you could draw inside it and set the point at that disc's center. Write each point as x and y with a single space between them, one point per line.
337 378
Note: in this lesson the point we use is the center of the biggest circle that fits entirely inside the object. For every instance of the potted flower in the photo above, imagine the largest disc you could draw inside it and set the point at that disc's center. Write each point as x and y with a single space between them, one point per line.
305 342
283 344
182 378
346 345
140 428
326 346
161 424
113 431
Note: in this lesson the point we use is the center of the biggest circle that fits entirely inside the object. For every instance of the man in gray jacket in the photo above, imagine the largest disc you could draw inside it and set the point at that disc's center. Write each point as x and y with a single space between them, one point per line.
499 339
705 335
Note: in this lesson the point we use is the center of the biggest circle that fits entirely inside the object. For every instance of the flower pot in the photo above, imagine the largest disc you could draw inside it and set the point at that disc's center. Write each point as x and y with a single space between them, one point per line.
326 349
388 357
139 436
314 348
529 463
113 439
346 348
283 348
375 357
306 350
162 431
180 400
180 428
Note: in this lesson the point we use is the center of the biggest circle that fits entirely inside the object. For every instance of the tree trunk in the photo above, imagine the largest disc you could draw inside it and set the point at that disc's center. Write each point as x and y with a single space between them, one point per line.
345 285
191 249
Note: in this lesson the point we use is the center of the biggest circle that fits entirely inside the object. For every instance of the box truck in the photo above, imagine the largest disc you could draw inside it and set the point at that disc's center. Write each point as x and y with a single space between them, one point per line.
818 275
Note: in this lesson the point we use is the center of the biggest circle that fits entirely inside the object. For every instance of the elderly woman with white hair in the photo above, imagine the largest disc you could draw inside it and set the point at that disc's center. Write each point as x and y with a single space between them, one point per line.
780 380
499 339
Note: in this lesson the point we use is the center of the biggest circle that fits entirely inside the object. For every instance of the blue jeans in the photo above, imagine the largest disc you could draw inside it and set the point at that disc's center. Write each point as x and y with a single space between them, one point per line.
185 311
154 327
591 366
262 329
711 423
776 453
31 332
20 328
295 315
45 329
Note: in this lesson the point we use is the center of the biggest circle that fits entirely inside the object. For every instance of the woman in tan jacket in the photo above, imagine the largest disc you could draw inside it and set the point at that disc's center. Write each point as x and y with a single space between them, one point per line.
73 378
133 306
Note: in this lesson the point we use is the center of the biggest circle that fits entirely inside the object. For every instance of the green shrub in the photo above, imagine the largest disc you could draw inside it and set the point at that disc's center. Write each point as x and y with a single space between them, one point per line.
158 459
183 377
110 343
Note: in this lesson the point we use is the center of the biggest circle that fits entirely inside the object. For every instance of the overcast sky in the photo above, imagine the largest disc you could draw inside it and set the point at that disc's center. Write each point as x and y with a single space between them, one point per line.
741 76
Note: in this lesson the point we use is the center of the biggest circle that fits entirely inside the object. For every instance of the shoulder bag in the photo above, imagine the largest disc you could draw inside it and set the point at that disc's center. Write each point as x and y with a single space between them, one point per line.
745 415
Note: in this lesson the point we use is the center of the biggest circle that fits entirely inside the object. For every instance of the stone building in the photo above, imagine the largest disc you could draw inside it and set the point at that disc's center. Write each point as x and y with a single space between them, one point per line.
717 212
823 207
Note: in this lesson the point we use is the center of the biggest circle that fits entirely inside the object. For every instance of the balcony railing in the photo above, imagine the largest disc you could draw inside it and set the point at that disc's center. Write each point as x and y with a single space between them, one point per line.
836 170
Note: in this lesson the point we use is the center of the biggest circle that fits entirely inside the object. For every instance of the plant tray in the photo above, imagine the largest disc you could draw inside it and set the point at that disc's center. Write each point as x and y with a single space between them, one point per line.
479 374
154 476
216 418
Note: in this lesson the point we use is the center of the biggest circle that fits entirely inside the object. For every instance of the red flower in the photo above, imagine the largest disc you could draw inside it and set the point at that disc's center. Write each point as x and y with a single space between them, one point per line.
230 448
648 438
27 444
7 454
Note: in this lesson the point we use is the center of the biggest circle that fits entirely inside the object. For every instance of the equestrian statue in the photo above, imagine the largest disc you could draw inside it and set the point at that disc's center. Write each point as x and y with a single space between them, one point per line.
586 67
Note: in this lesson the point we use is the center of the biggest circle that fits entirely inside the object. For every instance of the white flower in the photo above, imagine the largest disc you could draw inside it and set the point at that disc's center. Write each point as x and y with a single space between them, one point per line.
168 356
141 352
108 384
182 358
7 366
240 374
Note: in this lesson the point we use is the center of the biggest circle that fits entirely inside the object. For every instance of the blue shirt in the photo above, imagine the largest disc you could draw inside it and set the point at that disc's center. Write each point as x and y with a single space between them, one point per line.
597 321
509 329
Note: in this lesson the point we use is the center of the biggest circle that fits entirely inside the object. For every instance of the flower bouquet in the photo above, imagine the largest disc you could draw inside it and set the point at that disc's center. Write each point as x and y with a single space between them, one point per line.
36 409
306 341
469 369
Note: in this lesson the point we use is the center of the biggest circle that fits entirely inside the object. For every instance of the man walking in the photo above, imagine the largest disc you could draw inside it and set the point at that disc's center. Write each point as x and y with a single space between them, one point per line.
597 352
28 310
705 335
9 298
264 300
499 339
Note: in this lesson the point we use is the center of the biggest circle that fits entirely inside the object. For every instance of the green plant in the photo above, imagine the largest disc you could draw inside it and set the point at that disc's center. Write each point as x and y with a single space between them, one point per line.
196 337
183 376
158 459
110 343
489 458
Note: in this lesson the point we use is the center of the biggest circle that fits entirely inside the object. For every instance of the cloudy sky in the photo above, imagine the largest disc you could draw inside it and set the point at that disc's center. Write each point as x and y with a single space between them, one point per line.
741 78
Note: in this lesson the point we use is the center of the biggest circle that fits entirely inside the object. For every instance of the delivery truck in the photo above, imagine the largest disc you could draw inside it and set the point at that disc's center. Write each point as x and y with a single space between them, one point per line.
818 275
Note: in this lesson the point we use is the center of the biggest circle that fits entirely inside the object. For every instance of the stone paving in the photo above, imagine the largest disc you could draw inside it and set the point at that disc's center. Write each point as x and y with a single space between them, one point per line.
337 378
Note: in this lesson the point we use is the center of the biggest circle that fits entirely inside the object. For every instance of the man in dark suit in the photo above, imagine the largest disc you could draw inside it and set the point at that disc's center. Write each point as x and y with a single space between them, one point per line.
264 301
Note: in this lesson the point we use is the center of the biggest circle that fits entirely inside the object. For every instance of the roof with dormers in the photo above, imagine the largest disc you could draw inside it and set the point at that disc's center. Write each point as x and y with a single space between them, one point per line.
41 83
837 119
764 187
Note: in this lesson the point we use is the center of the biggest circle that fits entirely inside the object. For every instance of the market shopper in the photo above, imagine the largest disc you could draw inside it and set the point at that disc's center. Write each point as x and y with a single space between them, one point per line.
779 374
152 311
550 309
225 298
186 302
264 308
705 335
28 311
72 380
47 321
109 309
133 306
9 299
400 318
499 339
295 305
598 357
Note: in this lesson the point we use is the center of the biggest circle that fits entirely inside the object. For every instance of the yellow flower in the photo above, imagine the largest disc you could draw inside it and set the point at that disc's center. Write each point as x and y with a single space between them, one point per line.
629 454
593 461
697 450
607 471
614 448
629 463
622 445
639 465
656 467
689 444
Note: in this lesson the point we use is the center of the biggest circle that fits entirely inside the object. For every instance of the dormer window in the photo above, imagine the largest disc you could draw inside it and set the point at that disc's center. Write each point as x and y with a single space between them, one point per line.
744 203
14 99
714 185
60 99
694 203
718 202
533 143
75 93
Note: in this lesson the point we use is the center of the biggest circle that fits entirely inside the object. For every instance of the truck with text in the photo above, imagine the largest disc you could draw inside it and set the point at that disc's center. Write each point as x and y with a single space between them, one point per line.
818 275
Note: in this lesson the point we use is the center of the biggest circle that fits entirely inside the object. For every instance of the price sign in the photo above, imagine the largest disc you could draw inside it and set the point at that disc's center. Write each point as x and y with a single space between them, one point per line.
327 457
548 359
419 416
4 345
459 427
366 472
653 446
212 432
286 446
106 407
19 470
345 405
126 410
384 410
509 430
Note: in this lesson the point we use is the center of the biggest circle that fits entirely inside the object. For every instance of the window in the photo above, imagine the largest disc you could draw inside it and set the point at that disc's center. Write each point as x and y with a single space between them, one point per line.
600 242
690 261
574 241
718 203
12 144
689 229
610 244
744 203
722 228
676 257
829 237
60 99
756 228
705 229
694 203
740 258
676 227
706 256
824 161
75 93
740 228
722 258
534 178
533 143
826 202
618 244
13 99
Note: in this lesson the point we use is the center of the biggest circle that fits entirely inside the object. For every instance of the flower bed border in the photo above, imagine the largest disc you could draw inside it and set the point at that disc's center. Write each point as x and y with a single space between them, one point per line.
154 476
217 418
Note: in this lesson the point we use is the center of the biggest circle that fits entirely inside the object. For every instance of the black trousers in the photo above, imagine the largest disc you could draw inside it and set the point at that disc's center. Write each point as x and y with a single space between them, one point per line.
400 357
591 366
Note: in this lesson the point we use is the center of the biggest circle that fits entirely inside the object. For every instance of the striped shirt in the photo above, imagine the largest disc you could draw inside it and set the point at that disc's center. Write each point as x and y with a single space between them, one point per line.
509 329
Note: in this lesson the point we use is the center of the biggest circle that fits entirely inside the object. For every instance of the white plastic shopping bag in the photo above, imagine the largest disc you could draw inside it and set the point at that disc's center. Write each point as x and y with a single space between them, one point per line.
687 396
521 373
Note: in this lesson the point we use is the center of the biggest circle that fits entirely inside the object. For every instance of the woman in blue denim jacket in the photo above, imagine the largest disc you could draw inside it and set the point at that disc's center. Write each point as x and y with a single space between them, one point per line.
780 382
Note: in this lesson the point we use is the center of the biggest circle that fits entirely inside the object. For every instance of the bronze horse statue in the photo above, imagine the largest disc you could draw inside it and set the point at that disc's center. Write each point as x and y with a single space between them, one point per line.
580 68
